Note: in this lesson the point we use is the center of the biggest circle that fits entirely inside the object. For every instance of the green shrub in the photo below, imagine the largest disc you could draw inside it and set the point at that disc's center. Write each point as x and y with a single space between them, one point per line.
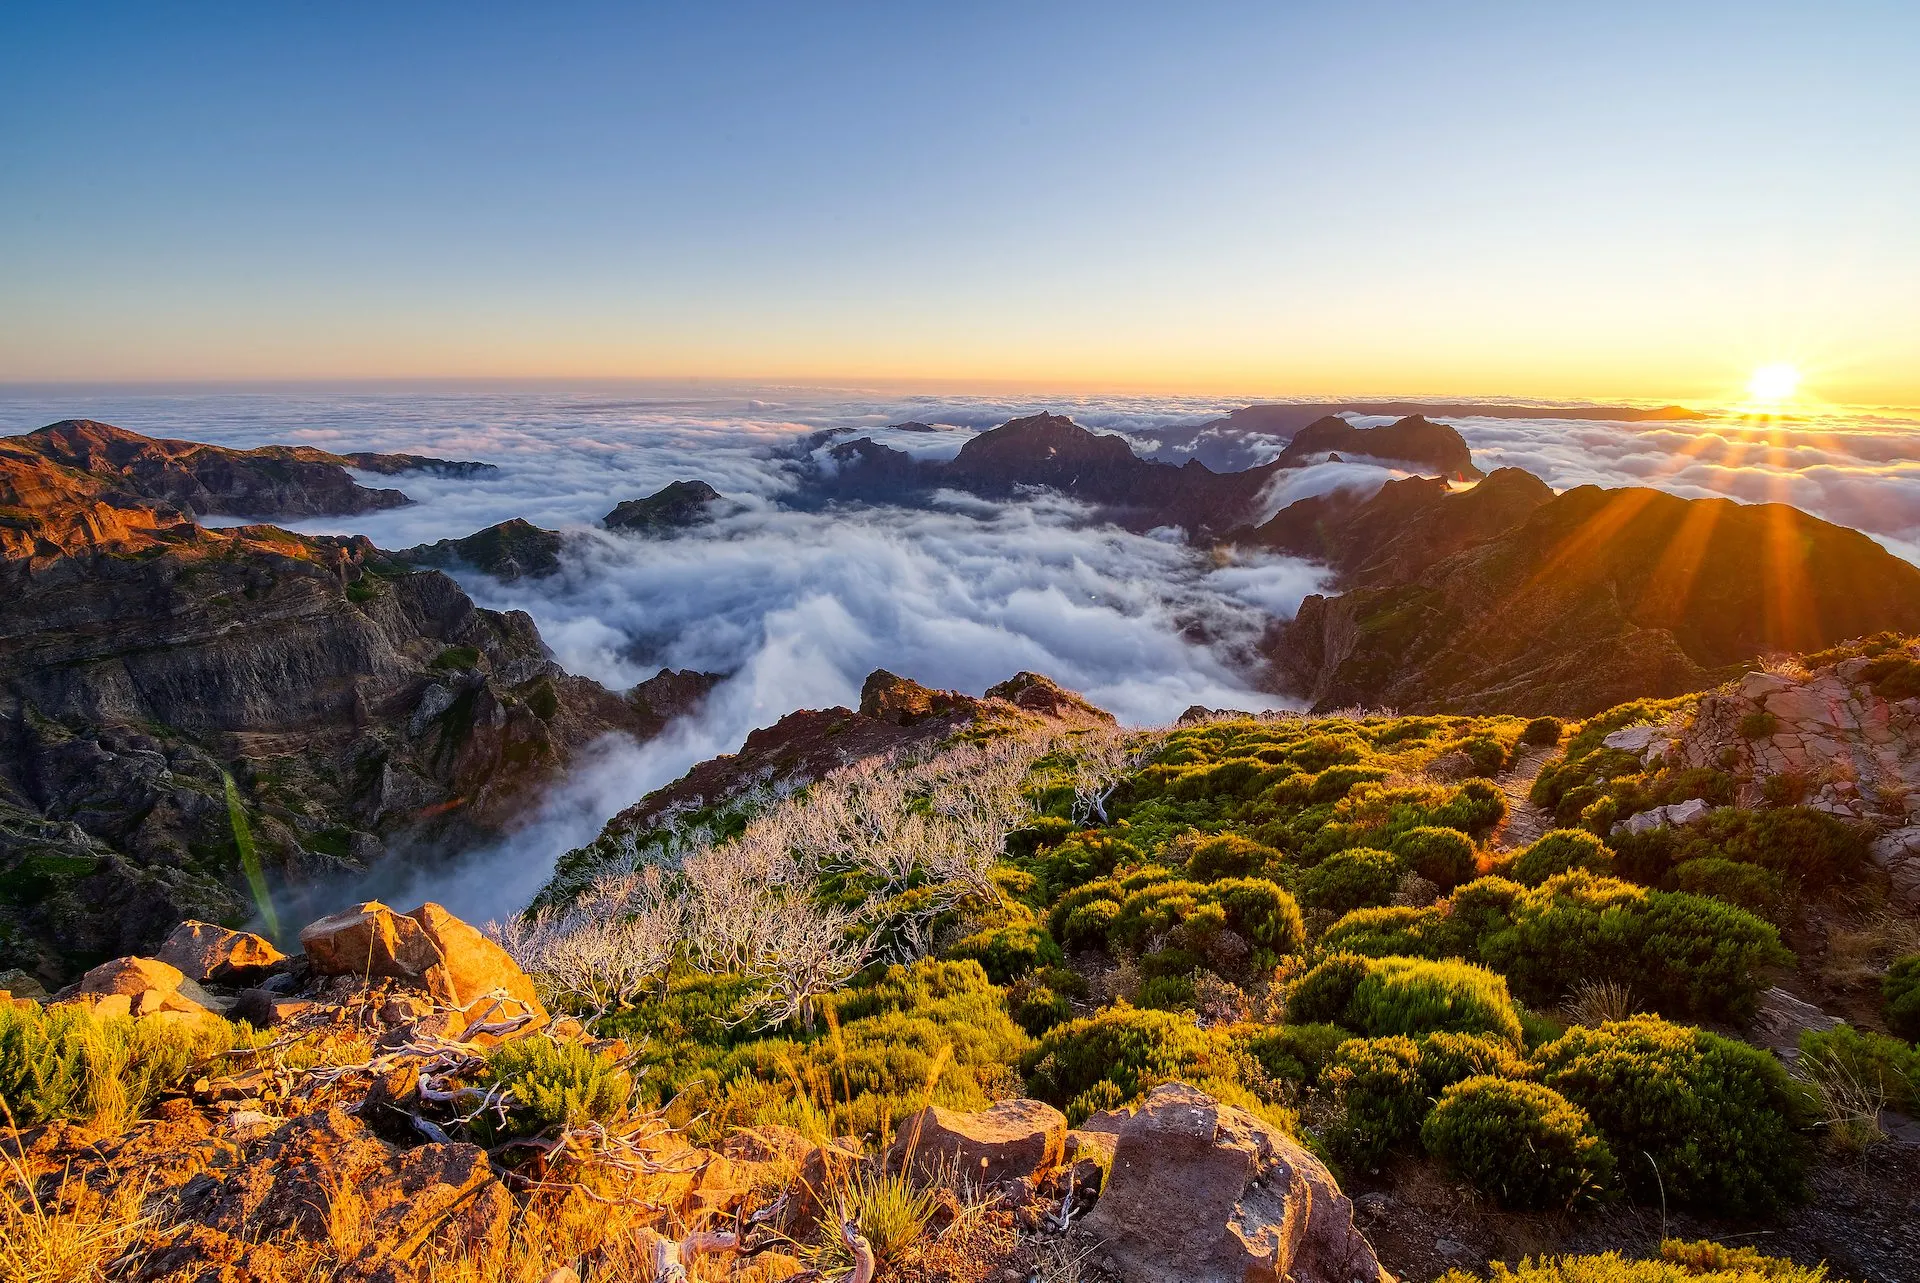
66 1063
1382 996
1129 1048
1296 1053
1352 879
1759 725
1474 809
1746 886
1322 995
1901 991
1386 932
1443 857
1561 851
1010 951
1376 1089
1448 1058
1686 954
1416 996
1709 1122
1805 847
1846 1056
1526 1145
1232 856
553 1084
1081 858
1679 1262
1543 731
1037 1007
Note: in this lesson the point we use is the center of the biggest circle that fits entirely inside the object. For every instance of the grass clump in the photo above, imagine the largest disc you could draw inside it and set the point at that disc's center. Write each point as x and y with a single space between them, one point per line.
66 1063
553 1084
1526 1145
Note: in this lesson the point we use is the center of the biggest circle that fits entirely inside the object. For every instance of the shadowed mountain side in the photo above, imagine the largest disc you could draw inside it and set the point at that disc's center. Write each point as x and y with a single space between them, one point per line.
1400 529
272 481
1428 446
1599 596
1053 451
361 710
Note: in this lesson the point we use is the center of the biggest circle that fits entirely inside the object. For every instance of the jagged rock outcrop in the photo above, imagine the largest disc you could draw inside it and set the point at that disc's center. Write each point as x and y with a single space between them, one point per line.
1428 447
210 954
272 481
1202 1192
507 551
1596 597
676 506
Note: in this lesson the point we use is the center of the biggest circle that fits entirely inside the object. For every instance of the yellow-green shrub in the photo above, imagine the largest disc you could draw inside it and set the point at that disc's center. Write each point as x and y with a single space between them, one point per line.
1526 1145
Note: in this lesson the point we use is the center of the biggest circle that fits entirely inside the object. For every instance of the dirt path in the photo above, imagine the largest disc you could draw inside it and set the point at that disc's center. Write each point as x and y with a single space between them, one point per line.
1524 821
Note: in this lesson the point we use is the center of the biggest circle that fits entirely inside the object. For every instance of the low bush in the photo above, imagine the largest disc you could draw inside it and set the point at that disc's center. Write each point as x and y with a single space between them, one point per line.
1356 878
1475 808
1448 1058
1379 1097
1127 1048
1561 851
1005 953
1901 992
1443 857
1232 856
1745 886
1704 1262
1698 1119
552 1084
1416 996
1543 731
1805 847
1412 996
1526 1145
1296 1053
66 1063
1396 930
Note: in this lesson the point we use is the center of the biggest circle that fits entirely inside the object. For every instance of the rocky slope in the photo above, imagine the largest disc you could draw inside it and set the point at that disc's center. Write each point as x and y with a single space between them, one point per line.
1502 597
272 481
360 708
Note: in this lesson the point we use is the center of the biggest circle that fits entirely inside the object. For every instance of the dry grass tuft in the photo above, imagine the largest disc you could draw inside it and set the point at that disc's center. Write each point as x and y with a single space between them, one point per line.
81 1236
1597 1002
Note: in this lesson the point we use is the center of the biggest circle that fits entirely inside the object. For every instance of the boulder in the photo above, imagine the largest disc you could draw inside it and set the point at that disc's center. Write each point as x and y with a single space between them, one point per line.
214 954
1011 1139
369 940
1202 1192
129 976
469 966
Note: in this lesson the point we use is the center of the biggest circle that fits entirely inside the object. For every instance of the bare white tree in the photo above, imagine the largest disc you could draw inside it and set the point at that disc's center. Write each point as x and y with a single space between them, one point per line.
601 950
1101 760
811 951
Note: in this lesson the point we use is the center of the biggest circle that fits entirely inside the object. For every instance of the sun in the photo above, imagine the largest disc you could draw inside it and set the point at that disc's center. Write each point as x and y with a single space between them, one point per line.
1773 383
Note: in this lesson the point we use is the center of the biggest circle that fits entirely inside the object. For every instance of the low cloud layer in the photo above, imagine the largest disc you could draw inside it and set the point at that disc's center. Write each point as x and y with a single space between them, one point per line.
797 607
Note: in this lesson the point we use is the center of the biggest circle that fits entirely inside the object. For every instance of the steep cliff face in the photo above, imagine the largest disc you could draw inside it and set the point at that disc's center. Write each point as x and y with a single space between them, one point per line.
1594 597
360 709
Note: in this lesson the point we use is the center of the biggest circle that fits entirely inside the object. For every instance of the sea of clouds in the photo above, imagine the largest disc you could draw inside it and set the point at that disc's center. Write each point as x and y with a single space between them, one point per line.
797 605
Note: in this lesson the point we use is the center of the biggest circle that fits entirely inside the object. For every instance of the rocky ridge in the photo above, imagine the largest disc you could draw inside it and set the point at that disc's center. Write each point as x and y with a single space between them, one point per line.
358 707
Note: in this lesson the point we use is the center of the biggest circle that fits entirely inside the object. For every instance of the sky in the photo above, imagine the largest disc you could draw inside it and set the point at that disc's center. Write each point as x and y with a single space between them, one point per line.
1640 201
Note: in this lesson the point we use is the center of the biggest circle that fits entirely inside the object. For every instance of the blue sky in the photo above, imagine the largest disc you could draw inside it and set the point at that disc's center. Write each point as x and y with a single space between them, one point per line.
1640 200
